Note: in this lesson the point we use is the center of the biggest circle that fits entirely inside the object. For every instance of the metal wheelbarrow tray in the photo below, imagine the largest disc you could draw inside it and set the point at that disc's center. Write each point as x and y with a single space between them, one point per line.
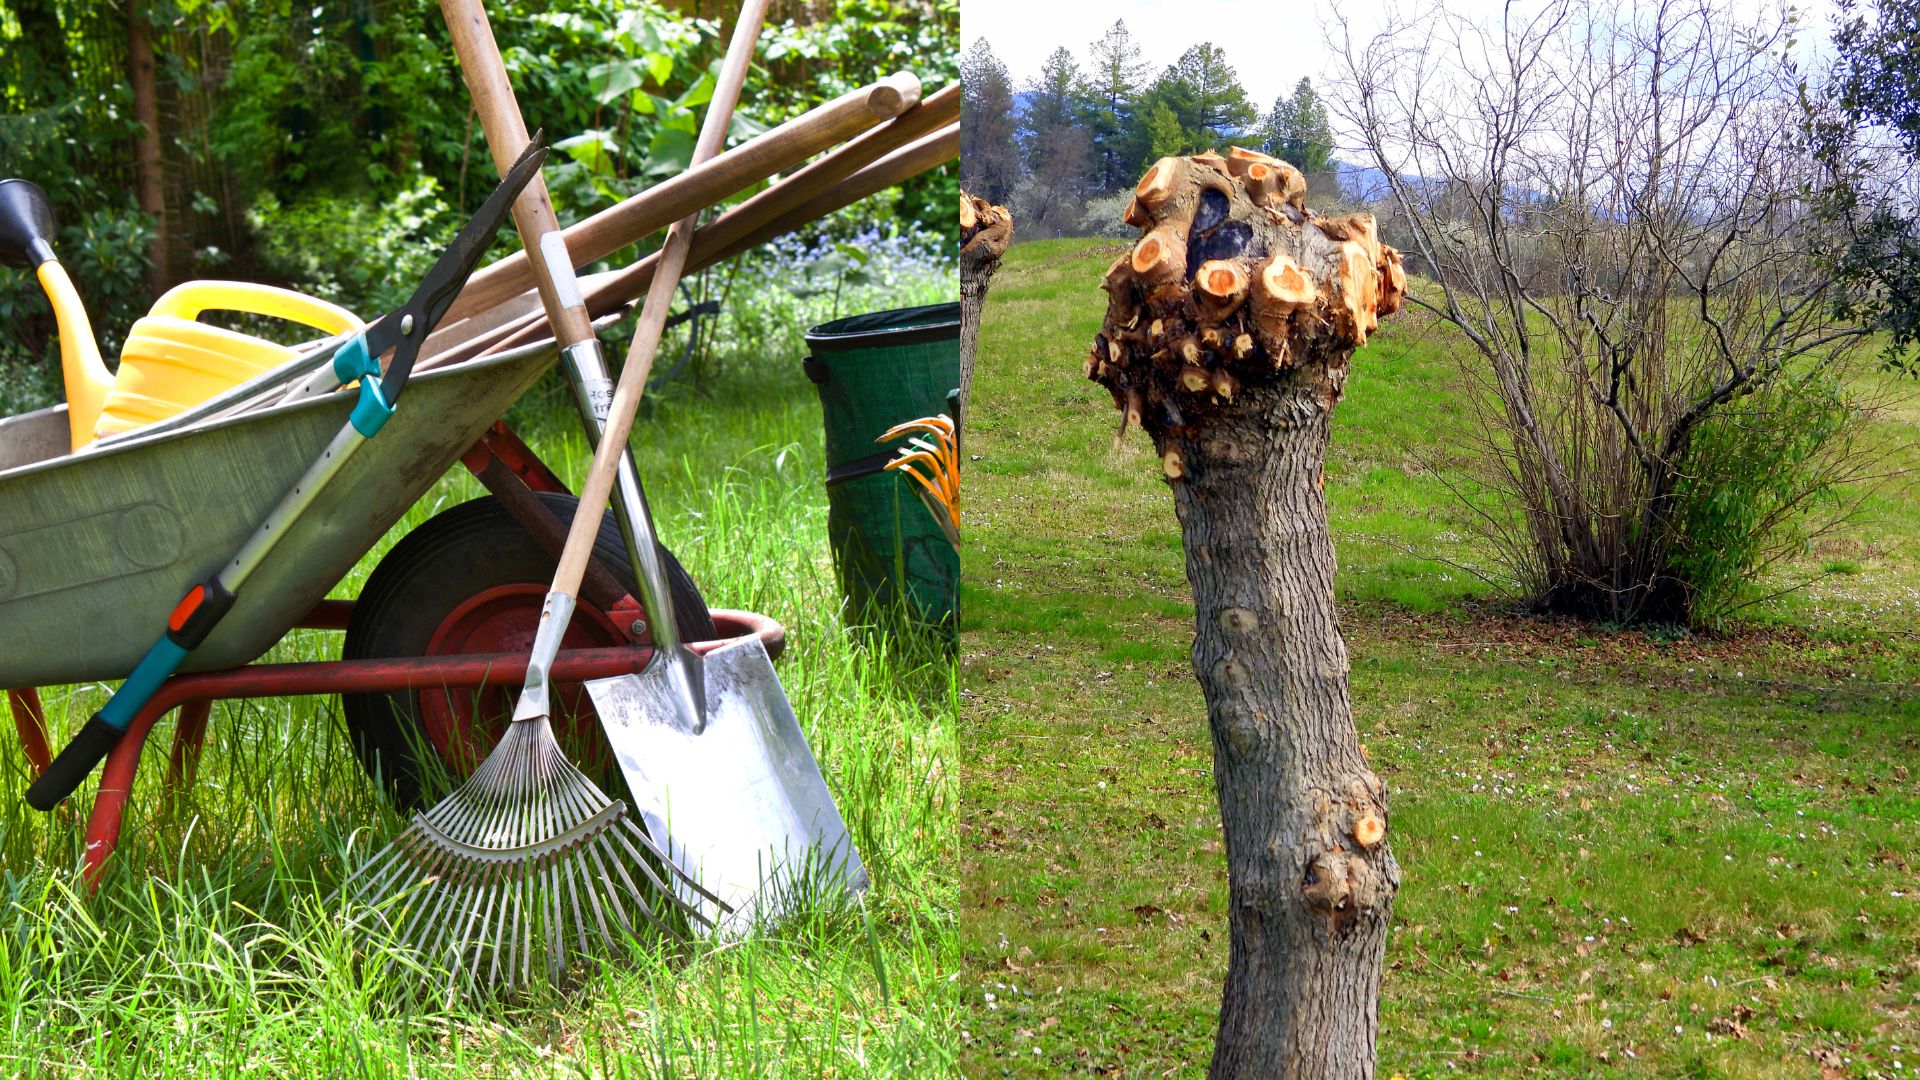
95 545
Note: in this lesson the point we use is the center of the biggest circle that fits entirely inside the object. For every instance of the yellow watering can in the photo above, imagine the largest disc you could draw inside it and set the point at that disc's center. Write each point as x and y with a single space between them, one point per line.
171 362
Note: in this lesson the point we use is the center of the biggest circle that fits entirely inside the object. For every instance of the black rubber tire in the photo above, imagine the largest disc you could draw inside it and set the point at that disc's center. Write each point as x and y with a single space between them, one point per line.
453 556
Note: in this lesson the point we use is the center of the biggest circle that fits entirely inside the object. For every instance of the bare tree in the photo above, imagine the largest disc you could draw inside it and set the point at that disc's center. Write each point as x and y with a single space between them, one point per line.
1228 336
985 232
1610 204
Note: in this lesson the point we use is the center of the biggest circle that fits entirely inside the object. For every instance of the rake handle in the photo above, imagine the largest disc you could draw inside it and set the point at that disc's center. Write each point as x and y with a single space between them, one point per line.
653 316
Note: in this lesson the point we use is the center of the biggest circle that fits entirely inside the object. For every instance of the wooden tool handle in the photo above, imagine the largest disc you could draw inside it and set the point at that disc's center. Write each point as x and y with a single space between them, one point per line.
486 75
820 128
653 317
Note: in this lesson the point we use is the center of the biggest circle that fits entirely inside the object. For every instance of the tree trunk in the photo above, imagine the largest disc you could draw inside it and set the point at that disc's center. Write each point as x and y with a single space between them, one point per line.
1228 334
146 151
985 231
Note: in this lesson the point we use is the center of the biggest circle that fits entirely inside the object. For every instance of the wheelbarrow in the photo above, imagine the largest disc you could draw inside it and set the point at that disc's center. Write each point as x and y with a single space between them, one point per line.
94 543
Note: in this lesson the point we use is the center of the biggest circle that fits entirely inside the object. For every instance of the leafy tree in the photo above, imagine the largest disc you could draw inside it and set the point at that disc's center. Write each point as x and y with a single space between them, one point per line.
1114 80
1299 130
1866 183
1205 95
989 150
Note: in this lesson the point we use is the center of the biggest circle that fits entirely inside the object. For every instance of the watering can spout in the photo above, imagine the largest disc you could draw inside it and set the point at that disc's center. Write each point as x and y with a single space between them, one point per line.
26 239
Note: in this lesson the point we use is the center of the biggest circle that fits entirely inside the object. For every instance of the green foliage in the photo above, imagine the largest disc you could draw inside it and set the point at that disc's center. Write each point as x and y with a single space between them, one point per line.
1205 95
1751 471
1299 130
989 146
1870 98
366 258
1115 73
1164 135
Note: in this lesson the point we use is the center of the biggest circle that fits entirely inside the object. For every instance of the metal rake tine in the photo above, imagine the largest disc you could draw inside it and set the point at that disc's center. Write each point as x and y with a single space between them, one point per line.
518 930
633 891
580 879
464 896
611 892
673 897
556 934
432 876
673 867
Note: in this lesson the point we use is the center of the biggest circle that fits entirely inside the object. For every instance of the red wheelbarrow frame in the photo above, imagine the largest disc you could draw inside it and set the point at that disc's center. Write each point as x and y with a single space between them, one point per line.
511 471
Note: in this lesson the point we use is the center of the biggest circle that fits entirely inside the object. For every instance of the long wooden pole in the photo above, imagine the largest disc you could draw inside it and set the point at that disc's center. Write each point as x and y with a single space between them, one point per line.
700 186
739 229
507 136
653 318
774 205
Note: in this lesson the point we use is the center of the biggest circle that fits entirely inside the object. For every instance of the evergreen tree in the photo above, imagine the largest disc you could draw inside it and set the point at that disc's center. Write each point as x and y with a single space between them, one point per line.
1114 79
1164 136
1206 97
989 154
1299 130
1058 149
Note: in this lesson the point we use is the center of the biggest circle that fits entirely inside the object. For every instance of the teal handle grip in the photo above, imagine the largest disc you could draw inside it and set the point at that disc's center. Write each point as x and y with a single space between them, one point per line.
160 662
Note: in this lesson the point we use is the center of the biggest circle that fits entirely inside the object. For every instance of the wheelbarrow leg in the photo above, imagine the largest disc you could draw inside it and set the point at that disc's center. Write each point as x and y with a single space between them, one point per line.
30 720
189 732
116 785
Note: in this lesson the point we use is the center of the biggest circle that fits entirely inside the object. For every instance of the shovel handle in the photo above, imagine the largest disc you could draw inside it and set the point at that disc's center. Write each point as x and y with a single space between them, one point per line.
500 119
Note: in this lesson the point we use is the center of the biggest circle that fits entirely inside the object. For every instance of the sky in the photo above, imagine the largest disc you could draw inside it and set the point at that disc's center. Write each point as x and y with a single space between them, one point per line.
1271 44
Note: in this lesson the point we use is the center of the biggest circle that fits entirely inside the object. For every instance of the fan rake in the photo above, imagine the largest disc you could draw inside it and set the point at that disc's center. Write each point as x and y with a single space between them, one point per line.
528 857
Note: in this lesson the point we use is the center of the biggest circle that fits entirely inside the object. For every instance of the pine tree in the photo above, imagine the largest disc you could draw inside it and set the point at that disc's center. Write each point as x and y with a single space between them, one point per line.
1114 79
1205 95
1299 130
1057 146
989 154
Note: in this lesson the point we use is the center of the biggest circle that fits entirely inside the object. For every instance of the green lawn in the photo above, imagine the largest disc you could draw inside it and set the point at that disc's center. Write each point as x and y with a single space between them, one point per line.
1623 854
209 950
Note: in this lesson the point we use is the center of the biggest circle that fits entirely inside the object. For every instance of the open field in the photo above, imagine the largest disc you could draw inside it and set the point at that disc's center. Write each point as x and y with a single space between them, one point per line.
1623 853
209 950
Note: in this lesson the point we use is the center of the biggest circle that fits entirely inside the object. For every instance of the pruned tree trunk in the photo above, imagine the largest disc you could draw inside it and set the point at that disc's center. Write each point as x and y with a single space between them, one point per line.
985 232
149 193
1228 334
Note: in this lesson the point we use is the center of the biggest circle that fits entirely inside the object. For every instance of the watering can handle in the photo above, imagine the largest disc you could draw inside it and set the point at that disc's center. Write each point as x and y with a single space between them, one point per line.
189 300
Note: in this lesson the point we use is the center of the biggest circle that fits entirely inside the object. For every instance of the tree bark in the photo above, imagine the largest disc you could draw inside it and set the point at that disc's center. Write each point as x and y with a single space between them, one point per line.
1228 335
149 192
985 232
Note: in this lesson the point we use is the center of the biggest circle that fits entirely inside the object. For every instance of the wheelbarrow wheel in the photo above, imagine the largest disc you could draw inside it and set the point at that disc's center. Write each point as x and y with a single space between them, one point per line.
472 580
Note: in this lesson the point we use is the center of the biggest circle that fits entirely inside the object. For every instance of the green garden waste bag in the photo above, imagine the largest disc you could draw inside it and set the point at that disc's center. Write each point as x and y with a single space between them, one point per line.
874 371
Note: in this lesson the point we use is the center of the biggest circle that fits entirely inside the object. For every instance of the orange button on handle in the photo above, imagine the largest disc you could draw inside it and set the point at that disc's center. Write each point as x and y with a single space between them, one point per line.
184 610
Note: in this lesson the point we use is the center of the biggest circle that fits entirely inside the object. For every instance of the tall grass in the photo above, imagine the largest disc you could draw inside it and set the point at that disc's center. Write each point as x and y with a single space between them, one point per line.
211 946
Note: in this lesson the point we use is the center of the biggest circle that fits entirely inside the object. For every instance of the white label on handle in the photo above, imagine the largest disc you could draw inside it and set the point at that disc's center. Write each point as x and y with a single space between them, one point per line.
600 395
553 248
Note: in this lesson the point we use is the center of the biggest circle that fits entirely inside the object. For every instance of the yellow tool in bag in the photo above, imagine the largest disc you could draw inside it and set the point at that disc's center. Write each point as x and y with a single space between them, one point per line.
172 362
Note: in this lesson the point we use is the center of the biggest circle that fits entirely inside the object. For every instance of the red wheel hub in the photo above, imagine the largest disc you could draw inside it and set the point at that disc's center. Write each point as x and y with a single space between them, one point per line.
464 725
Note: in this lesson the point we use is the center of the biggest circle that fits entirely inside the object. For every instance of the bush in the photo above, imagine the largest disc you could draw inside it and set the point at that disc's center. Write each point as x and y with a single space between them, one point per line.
1752 471
366 257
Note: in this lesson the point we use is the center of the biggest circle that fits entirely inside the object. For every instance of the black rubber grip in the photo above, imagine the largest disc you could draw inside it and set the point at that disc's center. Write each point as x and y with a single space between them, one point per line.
77 762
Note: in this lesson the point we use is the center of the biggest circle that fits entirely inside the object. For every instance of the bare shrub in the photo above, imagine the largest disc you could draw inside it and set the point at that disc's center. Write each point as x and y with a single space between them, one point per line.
1609 203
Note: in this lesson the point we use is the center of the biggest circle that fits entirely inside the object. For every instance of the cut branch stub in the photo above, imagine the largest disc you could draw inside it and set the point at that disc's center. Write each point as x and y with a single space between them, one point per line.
1224 291
985 229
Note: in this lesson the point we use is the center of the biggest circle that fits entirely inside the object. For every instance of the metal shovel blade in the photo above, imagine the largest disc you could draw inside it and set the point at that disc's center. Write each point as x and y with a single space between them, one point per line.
740 806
